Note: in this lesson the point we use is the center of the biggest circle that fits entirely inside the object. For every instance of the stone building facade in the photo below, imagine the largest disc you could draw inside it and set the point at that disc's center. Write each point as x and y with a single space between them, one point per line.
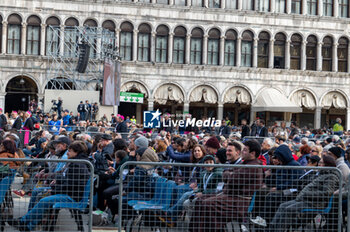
229 58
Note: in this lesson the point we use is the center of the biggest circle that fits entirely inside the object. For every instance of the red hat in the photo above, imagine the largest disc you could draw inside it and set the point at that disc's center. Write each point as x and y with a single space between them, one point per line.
213 142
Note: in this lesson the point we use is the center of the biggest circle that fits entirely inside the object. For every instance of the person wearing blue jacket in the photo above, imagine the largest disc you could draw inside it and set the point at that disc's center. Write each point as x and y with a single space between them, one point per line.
285 181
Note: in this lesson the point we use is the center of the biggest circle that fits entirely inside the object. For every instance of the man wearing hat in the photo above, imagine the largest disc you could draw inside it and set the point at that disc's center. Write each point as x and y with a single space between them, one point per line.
336 153
61 149
121 126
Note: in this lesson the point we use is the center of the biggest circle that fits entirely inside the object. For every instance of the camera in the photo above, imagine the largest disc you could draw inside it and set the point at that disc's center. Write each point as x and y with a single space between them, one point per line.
53 101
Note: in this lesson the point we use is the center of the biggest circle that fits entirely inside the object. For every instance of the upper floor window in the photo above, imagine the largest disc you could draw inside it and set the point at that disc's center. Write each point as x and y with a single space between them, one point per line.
328 7
248 5
311 53
144 43
71 38
165 2
162 44
312 7
344 8
214 3
280 6
263 5
295 51
327 49
343 54
279 51
296 6
180 2
263 50
52 36
230 48
110 26
198 3
231 4
14 34
91 35
126 41
213 47
247 49
196 46
33 35
179 45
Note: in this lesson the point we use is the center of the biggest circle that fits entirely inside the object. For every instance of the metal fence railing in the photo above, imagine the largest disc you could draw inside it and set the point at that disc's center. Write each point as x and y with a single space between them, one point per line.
208 197
46 194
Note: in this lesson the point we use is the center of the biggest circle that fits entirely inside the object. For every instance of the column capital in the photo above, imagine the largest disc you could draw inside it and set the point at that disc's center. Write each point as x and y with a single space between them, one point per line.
4 23
319 43
222 37
188 36
154 33
288 41
43 25
117 30
136 31
304 42
62 27
220 104
206 36
256 39
272 40
24 24
171 34
239 38
335 44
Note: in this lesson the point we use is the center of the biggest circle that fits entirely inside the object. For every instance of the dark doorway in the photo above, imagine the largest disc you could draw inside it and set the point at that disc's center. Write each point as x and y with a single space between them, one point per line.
19 92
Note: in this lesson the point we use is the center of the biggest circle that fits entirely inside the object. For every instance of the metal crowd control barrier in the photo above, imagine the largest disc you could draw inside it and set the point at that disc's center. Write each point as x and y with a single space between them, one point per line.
207 197
58 188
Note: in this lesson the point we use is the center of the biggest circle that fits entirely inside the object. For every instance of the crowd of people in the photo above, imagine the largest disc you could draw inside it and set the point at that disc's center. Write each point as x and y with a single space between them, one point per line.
210 197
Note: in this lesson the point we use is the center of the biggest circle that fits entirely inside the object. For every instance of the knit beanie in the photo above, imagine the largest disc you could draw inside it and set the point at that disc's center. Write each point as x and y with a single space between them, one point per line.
336 151
140 142
213 142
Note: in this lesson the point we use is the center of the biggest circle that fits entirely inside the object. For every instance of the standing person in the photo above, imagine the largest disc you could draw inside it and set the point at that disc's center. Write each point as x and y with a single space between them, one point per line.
338 128
224 129
88 110
262 132
81 110
254 128
245 128
17 124
59 107
3 120
27 127
293 129
94 111
67 120
121 126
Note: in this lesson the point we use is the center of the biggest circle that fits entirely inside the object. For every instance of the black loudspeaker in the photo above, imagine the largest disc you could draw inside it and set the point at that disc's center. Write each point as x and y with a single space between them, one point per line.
84 53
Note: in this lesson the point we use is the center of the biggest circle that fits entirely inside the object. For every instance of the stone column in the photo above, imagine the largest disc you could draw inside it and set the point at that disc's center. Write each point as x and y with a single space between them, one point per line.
60 33
272 6
220 111
287 61
319 56
336 8
239 5
348 59
271 53
223 4
2 101
188 48
255 53
205 50
304 7
335 57
206 3
303 55
117 37
23 38
238 55
252 116
222 50
171 2
134 46
153 1
153 46
186 109
150 104
188 3
170 47
42 39
317 117
289 6
4 37
320 7
41 100
135 0
347 118
256 8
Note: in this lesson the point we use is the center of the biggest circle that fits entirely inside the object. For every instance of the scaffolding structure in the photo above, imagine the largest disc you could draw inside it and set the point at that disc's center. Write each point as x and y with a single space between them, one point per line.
62 49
